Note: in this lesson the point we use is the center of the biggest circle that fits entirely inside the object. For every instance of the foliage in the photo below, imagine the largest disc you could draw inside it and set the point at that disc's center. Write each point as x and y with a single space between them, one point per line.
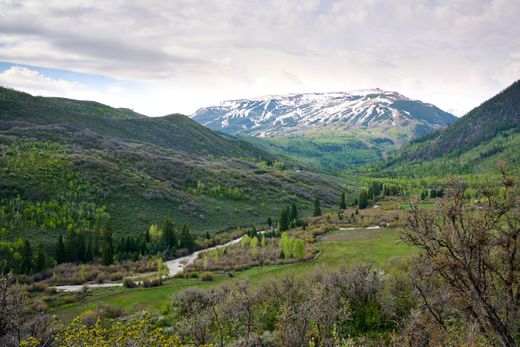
136 332
470 263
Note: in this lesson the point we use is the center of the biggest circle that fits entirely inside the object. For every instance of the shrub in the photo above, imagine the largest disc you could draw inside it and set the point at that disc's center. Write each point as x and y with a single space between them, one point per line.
50 290
101 277
153 282
128 283
207 276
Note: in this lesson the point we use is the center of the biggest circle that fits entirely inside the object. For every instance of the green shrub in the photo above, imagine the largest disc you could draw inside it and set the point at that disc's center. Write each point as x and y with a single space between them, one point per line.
128 283
207 276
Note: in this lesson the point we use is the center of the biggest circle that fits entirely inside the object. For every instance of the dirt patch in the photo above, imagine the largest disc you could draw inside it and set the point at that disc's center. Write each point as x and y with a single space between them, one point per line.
349 235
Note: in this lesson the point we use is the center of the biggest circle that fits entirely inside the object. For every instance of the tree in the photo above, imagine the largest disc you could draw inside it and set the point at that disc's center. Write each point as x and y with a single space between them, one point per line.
317 208
254 243
293 213
363 199
186 239
107 254
473 256
246 240
60 250
283 220
168 234
269 222
26 264
342 202
40 261
298 249
19 317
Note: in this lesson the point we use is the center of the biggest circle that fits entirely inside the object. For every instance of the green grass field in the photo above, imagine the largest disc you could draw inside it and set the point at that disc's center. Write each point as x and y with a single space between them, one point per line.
337 248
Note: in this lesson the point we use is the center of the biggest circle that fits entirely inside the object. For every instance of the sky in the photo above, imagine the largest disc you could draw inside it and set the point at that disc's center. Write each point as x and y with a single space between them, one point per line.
163 57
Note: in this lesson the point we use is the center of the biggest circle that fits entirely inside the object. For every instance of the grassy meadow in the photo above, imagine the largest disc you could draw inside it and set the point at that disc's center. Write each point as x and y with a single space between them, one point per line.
337 248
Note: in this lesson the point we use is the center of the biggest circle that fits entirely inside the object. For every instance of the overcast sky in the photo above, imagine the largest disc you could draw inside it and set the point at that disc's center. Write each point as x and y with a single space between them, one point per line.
161 57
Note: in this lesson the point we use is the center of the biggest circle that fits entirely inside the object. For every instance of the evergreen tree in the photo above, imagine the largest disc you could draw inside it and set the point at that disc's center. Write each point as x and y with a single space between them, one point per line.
60 253
26 261
363 199
107 254
169 236
269 222
283 221
186 239
342 202
89 253
81 247
294 212
40 261
317 208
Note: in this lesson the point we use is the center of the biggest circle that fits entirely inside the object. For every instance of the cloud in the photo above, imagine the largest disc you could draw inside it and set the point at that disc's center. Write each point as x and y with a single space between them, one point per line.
34 82
204 50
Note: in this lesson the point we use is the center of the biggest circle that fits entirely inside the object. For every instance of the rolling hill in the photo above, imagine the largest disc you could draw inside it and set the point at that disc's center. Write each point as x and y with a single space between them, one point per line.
78 164
332 130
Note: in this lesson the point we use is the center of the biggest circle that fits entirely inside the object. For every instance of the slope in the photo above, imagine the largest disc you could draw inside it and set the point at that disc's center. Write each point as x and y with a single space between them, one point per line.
472 144
69 164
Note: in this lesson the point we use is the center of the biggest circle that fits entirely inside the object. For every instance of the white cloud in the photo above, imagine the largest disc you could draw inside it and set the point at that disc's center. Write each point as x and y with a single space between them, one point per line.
193 53
34 82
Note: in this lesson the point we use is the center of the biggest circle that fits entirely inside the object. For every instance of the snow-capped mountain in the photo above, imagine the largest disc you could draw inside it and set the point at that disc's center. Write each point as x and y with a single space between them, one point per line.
370 109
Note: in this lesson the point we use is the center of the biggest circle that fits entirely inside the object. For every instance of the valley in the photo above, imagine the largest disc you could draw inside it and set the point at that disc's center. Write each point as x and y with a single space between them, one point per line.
110 217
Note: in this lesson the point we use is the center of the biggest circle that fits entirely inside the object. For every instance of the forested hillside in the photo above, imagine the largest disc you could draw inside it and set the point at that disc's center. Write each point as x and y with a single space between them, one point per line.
473 144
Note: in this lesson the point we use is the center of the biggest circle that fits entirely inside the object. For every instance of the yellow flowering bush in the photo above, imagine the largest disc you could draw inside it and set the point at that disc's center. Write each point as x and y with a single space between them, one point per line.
115 333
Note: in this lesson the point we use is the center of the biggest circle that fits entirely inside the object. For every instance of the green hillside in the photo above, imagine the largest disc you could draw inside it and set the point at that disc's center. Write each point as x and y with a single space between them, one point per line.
84 165
473 144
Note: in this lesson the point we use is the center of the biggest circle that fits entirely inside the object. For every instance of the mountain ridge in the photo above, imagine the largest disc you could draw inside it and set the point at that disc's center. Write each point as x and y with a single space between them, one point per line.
279 115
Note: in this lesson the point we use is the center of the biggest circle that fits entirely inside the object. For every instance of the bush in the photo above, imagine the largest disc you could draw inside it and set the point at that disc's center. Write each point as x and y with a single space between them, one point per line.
101 277
37 287
50 290
207 276
128 283
153 282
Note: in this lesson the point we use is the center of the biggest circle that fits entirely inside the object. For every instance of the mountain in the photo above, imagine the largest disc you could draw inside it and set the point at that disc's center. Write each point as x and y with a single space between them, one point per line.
272 116
74 164
346 128
472 144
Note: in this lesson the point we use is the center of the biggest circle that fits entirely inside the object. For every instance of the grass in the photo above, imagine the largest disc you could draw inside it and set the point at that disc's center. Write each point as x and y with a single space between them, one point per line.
337 248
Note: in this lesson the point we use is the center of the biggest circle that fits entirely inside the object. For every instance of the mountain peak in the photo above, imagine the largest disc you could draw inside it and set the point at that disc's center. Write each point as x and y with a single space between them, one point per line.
275 115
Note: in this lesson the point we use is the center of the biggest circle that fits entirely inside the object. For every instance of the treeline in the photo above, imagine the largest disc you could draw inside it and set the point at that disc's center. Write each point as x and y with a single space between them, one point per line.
287 219
166 240
432 193
375 191
79 246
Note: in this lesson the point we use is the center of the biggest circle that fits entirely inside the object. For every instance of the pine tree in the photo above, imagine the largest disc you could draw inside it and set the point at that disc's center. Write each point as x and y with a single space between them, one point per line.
26 261
317 208
168 234
294 213
283 221
342 203
81 247
107 254
269 222
363 199
60 250
40 262
186 239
